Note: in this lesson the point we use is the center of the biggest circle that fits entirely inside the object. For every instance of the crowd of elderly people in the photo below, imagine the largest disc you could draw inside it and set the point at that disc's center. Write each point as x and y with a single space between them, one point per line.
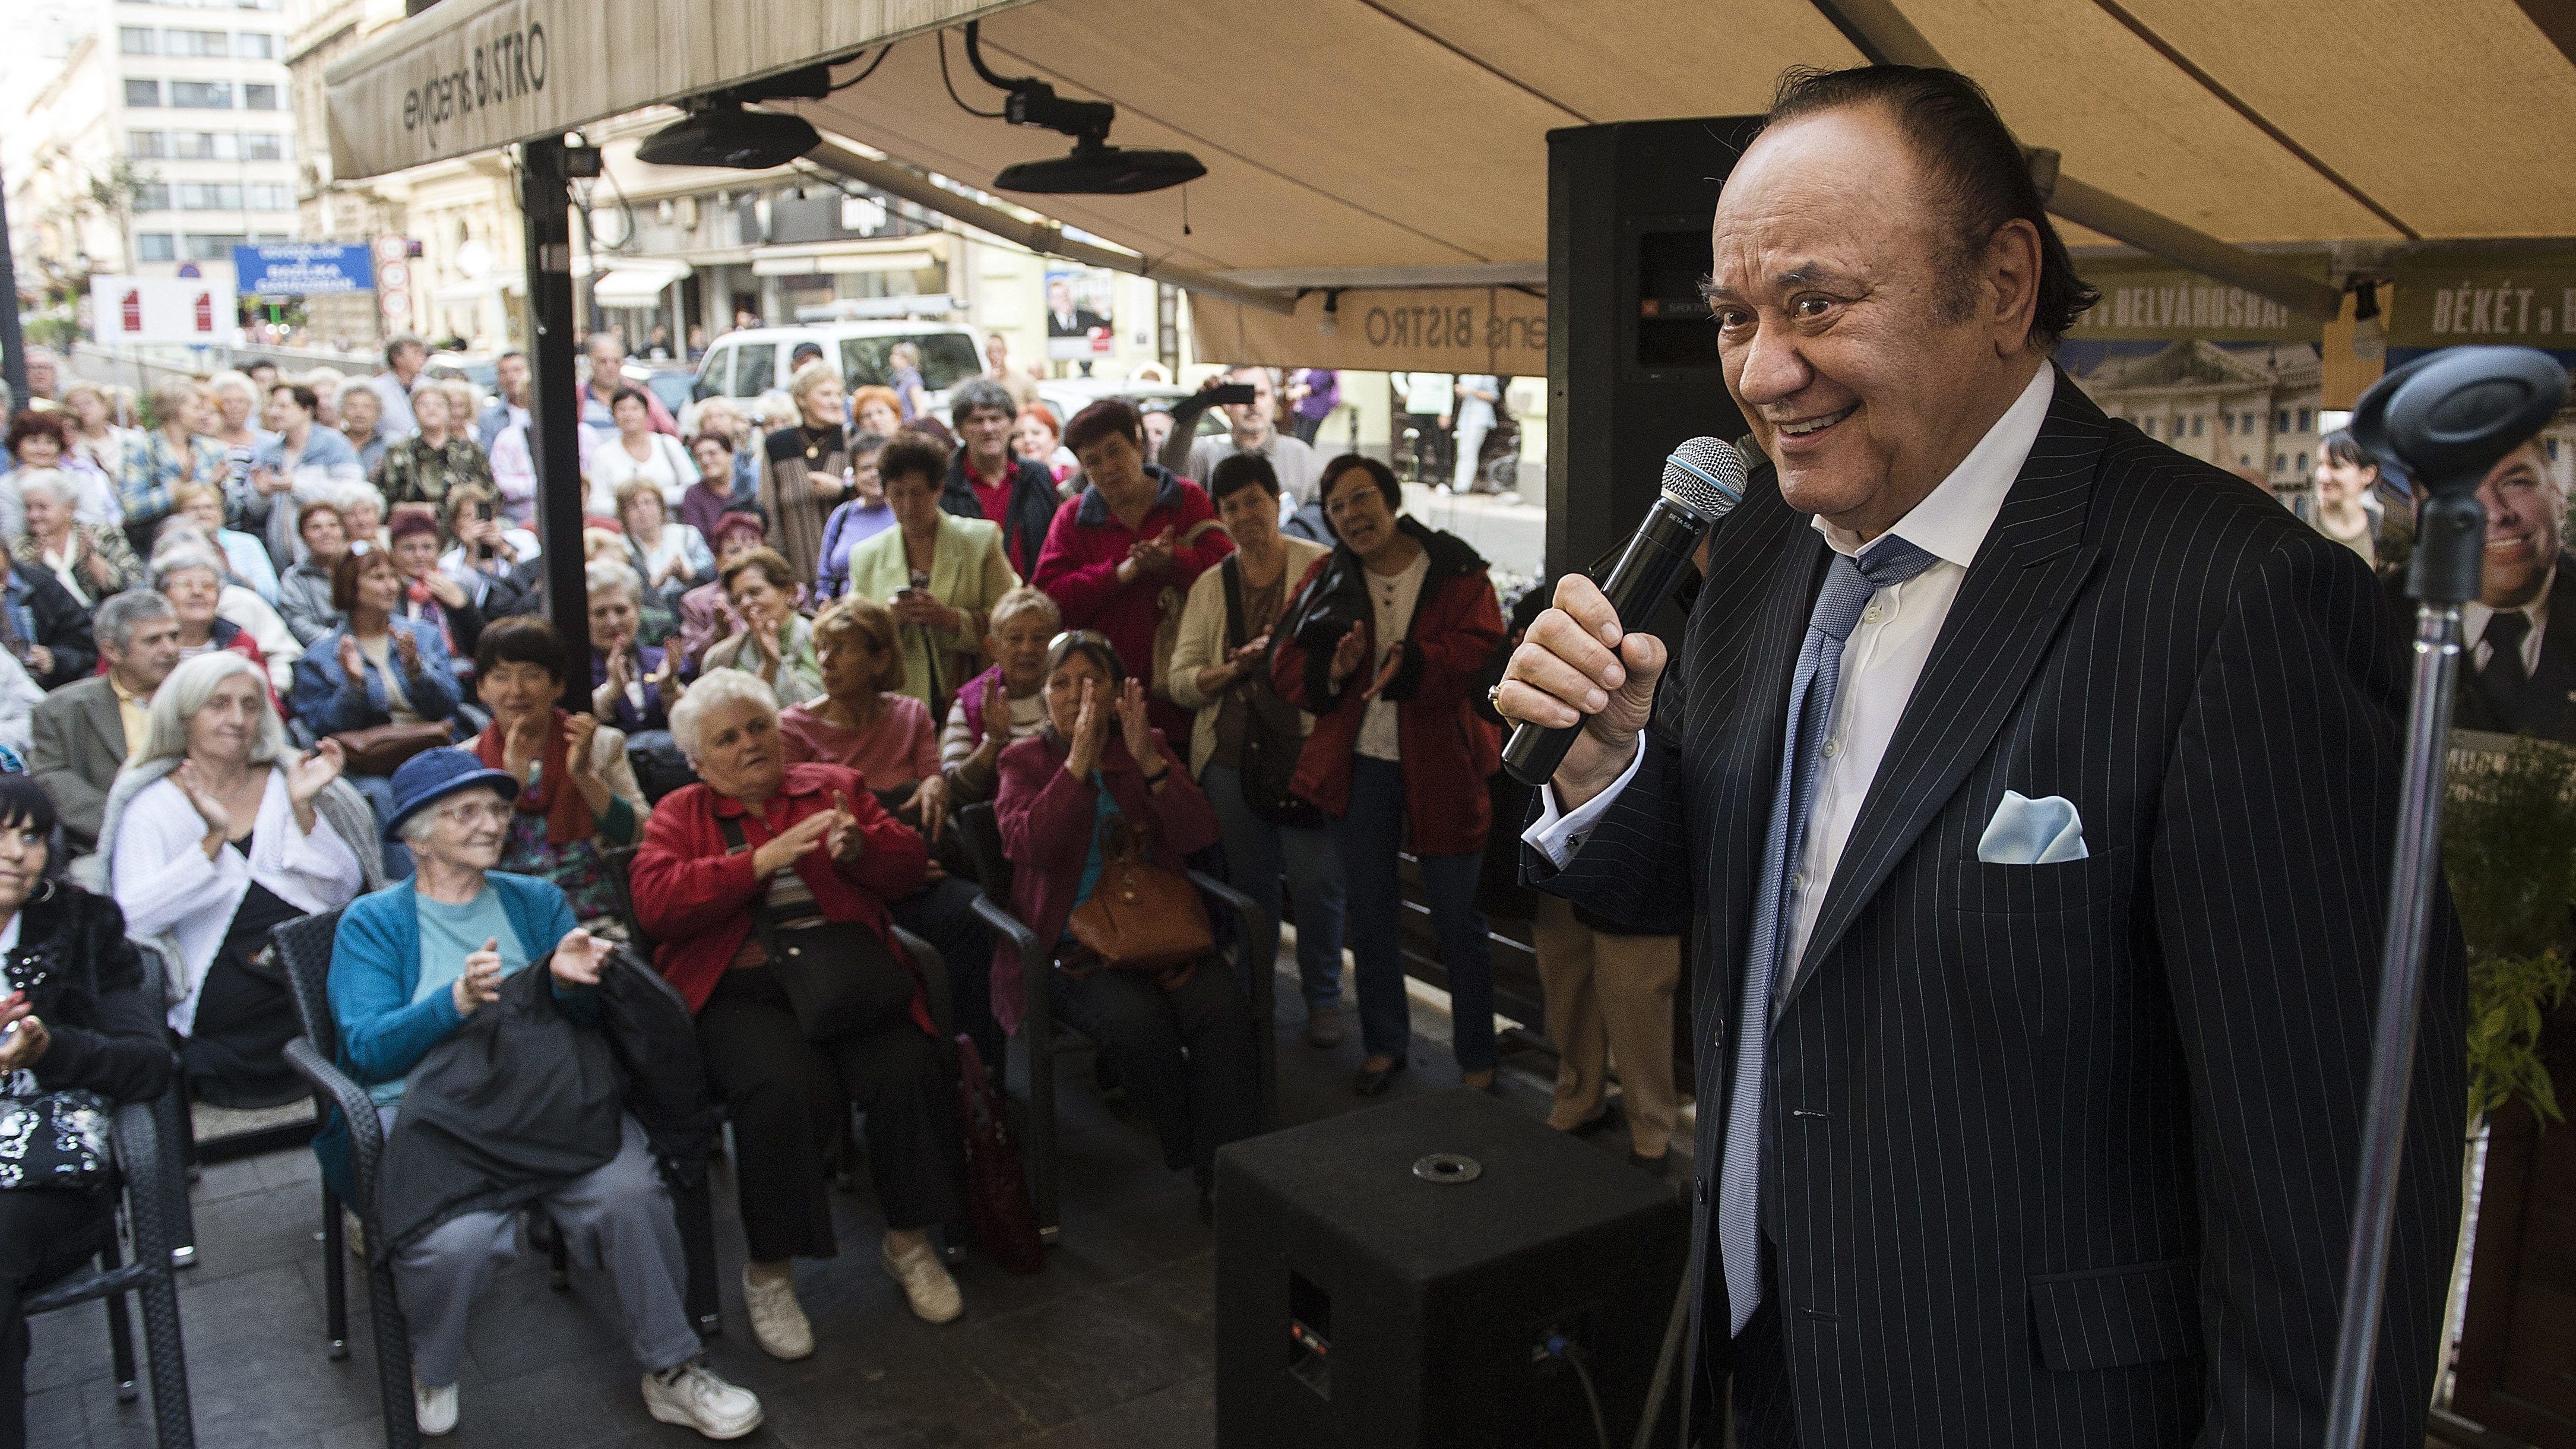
282 653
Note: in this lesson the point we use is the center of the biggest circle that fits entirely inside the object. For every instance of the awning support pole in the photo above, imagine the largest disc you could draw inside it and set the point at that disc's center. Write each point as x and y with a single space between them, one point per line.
1044 239
554 402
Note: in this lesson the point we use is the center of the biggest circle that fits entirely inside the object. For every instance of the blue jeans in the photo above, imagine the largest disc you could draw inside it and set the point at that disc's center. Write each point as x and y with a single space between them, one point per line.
1257 853
1369 837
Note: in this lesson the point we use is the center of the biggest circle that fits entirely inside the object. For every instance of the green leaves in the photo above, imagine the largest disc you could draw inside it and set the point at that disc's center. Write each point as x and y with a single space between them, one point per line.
2509 842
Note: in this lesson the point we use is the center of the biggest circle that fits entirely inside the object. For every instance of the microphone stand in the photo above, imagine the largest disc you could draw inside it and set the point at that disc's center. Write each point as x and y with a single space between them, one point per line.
2446 573
2445 419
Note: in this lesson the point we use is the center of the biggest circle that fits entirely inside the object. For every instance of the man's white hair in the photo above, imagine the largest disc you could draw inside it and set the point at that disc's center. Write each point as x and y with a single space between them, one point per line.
715 689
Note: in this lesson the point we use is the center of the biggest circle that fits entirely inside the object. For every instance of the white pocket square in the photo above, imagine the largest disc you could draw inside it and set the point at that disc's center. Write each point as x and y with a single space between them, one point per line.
2032 832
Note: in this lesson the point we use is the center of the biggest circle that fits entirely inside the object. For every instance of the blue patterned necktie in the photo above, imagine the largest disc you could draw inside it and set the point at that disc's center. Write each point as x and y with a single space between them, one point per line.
1886 563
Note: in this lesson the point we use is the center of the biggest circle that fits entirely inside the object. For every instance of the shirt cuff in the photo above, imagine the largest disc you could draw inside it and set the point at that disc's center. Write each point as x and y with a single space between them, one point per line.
1557 836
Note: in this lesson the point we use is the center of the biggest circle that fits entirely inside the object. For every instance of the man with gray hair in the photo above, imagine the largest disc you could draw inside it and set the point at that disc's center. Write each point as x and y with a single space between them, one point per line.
986 481
83 733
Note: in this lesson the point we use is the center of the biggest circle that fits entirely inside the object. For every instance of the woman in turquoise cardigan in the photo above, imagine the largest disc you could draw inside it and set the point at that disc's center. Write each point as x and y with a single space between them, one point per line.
941 627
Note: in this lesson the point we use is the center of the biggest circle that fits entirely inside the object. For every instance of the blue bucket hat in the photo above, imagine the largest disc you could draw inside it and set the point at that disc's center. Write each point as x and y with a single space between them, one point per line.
433 775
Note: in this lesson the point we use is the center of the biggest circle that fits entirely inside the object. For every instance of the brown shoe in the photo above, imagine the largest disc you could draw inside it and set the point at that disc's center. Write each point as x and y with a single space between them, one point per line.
1323 1029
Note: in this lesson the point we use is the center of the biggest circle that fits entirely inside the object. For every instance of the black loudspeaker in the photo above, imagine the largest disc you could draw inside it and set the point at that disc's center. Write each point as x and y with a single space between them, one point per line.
1632 365
1388 1280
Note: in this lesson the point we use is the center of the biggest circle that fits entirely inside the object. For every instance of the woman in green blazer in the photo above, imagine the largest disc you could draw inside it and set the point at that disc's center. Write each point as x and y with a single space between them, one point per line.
939 573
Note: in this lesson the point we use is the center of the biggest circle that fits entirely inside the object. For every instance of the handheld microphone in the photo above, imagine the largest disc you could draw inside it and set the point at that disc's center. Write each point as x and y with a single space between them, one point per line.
1703 481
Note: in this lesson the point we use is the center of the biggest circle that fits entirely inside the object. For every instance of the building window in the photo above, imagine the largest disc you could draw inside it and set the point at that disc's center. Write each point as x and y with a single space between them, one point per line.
2281 421
154 246
217 247
202 146
2280 462
259 98
2303 420
2199 426
255 45
147 145
202 95
143 93
2147 426
2303 462
152 196
267 196
196 42
262 146
136 40
210 196
2244 460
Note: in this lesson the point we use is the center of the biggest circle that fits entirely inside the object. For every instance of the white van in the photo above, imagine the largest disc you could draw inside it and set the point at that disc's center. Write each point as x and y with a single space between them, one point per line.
744 364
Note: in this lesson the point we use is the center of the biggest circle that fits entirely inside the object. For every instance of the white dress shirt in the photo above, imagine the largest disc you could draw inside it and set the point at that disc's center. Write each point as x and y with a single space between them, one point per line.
1881 661
2475 616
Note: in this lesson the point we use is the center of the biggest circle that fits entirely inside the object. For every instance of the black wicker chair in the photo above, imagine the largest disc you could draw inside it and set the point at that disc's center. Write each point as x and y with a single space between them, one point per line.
304 947
1042 1037
151 1216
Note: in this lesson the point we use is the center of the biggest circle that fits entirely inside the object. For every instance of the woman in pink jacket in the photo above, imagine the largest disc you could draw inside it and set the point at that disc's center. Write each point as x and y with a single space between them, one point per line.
1184 1048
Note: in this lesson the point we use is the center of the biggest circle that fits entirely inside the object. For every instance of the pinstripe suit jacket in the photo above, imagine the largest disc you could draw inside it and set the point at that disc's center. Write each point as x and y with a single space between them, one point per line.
2063 1154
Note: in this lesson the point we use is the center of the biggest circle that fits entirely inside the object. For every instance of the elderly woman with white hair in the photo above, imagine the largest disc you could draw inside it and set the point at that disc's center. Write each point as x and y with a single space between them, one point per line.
806 467
236 405
410 967
756 882
215 833
217 614
90 560
362 413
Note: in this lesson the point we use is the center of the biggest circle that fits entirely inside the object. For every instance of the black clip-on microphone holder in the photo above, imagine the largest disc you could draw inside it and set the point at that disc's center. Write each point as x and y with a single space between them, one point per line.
2442 421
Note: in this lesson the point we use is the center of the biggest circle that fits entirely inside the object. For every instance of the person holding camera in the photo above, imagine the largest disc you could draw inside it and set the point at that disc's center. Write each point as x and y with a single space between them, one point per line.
1384 643
939 572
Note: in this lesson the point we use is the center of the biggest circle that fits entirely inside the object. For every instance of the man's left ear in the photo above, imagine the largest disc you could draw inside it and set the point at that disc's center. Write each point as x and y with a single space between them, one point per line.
2012 275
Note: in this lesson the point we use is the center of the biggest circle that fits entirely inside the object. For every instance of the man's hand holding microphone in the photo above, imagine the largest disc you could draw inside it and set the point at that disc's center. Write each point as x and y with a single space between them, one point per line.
1577 666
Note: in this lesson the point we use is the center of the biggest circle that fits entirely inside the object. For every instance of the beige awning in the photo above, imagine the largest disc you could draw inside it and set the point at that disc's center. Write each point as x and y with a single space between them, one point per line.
1408 137
634 281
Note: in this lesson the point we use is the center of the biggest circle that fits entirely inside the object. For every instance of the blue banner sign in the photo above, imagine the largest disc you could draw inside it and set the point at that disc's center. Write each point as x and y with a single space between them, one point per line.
303 269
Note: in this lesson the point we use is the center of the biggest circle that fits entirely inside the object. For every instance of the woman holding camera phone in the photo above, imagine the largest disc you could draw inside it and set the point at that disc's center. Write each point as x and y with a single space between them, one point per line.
940 574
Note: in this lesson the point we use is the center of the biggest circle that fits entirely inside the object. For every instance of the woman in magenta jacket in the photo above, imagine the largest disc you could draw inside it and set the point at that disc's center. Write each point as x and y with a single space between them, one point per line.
1135 535
1184 1048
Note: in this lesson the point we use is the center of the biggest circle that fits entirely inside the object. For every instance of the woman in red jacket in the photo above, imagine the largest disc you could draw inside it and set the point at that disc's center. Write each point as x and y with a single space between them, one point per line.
806 845
1383 643
1184 1047
1124 554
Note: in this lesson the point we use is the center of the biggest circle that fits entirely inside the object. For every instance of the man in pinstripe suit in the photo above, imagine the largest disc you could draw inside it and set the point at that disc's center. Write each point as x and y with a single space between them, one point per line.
2029 790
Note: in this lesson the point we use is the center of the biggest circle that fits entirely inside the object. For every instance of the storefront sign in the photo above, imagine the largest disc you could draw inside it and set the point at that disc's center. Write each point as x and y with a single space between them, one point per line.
1497 330
465 76
163 309
2144 300
2514 298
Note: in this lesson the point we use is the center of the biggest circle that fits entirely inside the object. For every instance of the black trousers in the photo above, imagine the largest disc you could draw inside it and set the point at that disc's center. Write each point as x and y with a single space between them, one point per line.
943 913
1186 1056
235 1052
790 1102
44 1234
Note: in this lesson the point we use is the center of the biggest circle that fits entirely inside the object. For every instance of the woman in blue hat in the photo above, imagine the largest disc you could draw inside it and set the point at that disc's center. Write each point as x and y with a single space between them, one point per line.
410 965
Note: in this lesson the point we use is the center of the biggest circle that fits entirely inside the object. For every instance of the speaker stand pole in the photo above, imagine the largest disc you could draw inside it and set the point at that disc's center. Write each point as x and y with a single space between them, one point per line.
2448 563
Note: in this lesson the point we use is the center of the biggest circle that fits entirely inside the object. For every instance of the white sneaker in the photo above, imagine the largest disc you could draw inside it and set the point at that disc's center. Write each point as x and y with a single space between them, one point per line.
932 1293
692 1394
433 1409
777 1320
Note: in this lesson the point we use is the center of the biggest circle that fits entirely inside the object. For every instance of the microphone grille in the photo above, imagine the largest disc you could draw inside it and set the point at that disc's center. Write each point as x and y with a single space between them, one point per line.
1706 476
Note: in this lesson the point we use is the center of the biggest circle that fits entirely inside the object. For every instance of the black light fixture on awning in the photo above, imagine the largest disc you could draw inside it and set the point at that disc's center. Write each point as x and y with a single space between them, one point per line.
719 131
1095 167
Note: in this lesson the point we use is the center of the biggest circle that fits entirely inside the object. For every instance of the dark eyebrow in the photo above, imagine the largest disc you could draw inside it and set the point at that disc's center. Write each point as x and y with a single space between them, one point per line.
1805 274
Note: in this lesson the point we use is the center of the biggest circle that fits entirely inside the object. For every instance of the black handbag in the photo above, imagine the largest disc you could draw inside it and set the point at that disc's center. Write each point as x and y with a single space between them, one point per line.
53 1139
839 976
1273 736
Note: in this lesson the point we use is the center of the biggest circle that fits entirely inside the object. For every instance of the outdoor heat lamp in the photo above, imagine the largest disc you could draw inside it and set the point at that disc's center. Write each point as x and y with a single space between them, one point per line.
1095 168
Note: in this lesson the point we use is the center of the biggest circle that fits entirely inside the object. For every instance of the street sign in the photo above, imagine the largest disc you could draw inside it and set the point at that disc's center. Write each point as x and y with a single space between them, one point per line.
303 269
163 309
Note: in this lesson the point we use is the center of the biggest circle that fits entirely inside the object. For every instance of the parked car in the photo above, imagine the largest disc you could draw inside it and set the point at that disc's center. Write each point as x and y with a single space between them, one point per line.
744 364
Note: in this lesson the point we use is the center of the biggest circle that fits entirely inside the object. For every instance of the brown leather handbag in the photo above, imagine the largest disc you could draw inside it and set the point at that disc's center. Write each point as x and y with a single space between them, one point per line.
380 750
1140 917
